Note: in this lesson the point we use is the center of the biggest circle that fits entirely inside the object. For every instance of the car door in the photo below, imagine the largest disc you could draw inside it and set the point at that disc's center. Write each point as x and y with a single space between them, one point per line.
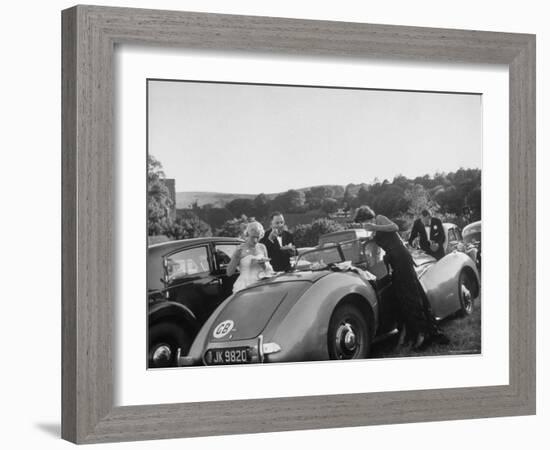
223 251
387 302
191 280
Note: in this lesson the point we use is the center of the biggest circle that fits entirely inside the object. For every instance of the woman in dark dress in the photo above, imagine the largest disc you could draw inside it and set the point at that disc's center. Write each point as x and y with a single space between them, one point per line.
414 310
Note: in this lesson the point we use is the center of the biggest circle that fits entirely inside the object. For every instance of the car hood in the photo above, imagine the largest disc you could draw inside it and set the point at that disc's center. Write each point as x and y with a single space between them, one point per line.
420 258
248 312
306 275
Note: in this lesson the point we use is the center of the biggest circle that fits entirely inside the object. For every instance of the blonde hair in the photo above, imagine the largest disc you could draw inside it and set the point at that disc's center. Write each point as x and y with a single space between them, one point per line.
254 226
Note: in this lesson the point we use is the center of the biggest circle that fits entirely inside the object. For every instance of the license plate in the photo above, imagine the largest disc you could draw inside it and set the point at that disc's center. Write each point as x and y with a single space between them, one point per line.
235 355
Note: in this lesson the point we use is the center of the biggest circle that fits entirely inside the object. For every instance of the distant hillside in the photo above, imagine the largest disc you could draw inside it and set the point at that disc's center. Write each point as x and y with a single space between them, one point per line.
353 189
219 199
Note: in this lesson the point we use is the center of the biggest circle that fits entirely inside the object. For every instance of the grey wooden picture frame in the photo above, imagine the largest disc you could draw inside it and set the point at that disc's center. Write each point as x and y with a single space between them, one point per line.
89 36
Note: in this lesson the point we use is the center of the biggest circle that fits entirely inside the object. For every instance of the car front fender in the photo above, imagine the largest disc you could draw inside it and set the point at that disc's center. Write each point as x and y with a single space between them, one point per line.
440 282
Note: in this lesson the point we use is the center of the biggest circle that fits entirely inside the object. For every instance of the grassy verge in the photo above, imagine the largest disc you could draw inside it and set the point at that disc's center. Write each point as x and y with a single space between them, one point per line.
463 332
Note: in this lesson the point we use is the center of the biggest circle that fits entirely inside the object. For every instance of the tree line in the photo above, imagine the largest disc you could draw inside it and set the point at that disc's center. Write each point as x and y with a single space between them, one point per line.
313 209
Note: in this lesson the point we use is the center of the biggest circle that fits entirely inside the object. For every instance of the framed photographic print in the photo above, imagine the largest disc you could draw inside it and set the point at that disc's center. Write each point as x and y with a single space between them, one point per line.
285 218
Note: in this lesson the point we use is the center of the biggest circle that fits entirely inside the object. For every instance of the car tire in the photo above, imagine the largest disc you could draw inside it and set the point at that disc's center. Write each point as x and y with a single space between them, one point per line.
466 289
348 333
164 340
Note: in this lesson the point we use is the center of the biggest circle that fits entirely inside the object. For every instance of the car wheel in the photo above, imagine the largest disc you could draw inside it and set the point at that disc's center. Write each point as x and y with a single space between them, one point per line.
348 333
164 340
466 289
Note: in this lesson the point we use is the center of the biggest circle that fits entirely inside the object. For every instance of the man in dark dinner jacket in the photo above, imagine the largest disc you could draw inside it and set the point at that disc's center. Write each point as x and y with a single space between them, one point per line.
431 233
279 243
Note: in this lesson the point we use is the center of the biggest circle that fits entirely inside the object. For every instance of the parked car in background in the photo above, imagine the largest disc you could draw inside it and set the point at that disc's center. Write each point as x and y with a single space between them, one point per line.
327 307
186 281
472 240
299 251
344 235
453 238
353 244
454 241
467 241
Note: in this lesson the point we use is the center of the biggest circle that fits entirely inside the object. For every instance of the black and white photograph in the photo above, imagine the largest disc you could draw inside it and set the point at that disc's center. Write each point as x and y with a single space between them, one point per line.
257 224
294 223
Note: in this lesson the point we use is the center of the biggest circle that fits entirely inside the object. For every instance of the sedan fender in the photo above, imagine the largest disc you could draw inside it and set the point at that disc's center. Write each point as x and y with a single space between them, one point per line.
165 309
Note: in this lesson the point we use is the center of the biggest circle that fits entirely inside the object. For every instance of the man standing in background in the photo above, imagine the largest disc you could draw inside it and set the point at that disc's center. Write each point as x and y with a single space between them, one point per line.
431 233
279 243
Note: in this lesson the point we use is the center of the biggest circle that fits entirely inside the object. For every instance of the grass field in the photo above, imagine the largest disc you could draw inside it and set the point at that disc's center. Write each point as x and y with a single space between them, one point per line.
463 332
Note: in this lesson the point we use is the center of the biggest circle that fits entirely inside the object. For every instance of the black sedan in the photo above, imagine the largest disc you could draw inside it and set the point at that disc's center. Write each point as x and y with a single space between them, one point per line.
186 281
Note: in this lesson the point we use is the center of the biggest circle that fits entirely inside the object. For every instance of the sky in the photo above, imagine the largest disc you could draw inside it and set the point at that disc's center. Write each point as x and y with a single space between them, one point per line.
242 138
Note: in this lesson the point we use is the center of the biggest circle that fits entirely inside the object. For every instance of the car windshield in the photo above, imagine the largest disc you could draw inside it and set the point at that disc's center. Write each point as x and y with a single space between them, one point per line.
319 258
472 237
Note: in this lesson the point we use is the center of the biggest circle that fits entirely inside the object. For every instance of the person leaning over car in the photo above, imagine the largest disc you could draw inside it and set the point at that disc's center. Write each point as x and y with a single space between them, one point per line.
414 312
279 243
431 233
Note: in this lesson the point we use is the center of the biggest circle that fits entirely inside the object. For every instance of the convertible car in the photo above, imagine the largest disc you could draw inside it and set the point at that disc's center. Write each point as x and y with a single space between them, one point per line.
334 304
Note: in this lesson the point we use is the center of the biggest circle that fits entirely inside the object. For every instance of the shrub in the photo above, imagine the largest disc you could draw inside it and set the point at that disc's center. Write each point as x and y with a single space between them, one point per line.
233 227
187 227
308 235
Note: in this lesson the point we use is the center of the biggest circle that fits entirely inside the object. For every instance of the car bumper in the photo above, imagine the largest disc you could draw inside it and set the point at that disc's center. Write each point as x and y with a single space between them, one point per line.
257 351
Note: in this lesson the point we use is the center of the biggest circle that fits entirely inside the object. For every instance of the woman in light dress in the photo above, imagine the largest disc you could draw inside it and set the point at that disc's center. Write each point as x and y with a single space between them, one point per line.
251 258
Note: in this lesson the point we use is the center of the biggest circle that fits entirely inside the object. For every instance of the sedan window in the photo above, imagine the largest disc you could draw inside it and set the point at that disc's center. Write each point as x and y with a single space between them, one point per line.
223 253
187 262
